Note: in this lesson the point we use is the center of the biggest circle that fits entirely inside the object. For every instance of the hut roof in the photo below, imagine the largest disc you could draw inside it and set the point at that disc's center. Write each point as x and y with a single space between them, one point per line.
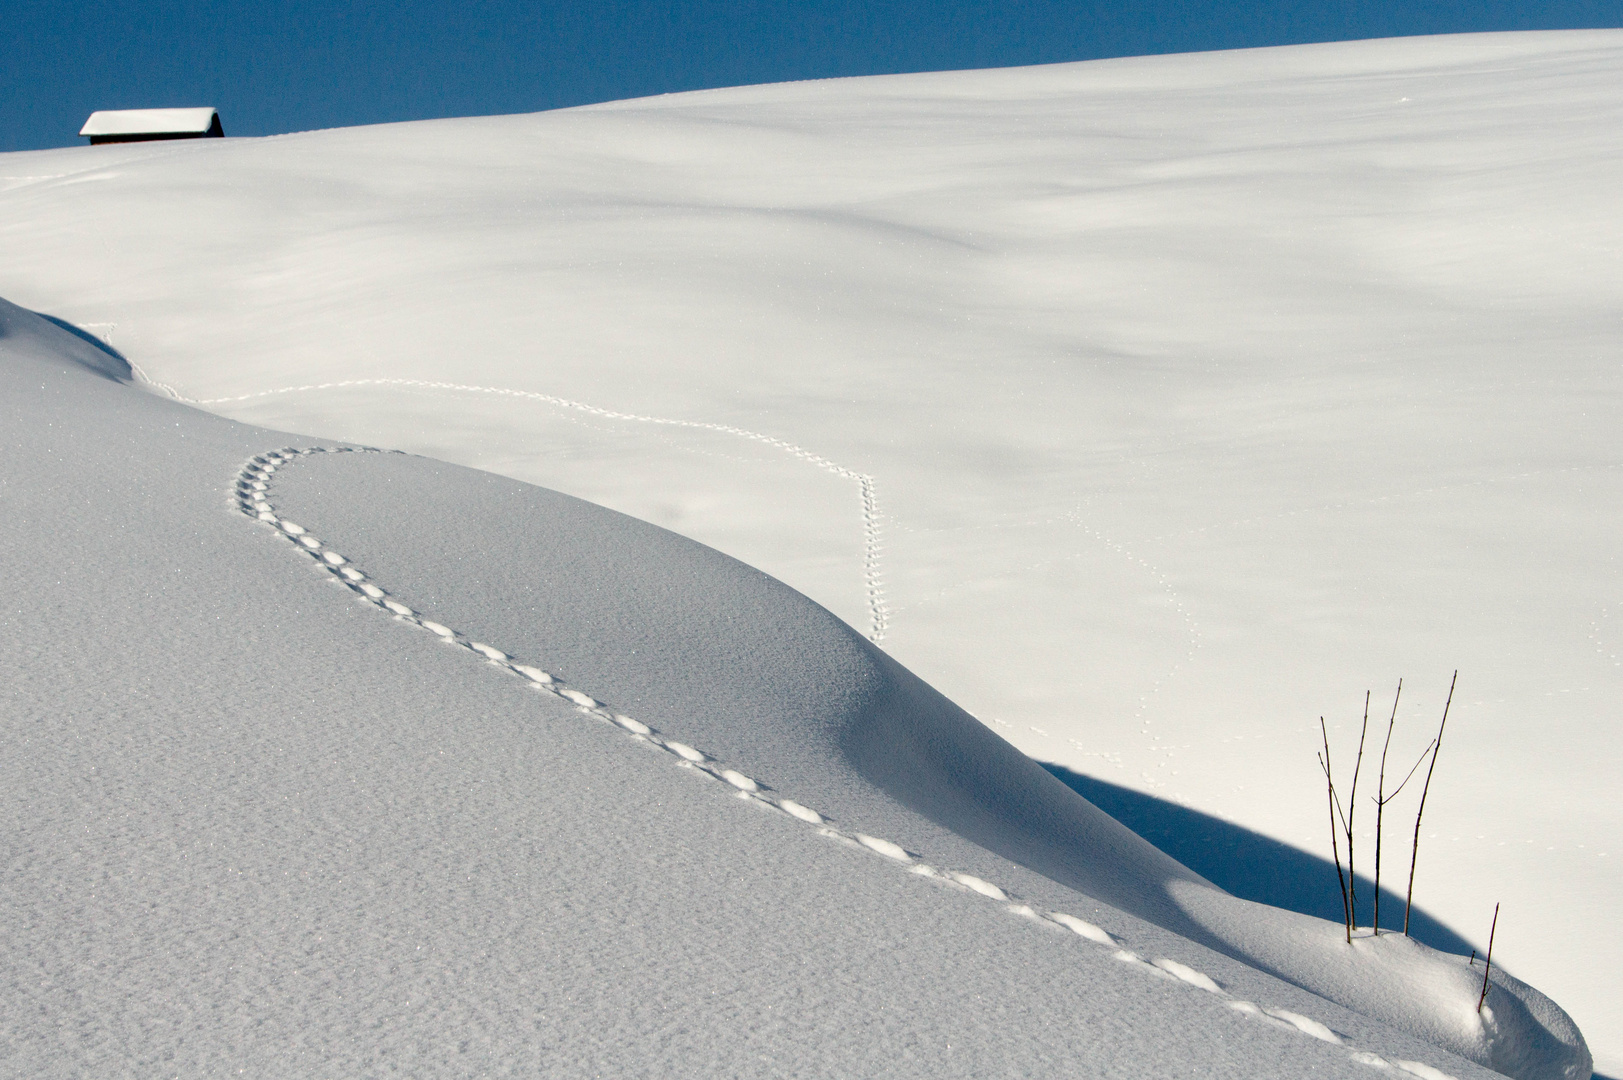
150 122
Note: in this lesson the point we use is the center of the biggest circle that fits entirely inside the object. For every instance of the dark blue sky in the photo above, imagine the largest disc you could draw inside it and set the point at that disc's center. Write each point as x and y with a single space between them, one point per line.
290 65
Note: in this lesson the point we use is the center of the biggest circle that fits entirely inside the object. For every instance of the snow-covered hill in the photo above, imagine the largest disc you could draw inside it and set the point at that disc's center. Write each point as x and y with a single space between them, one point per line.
1148 409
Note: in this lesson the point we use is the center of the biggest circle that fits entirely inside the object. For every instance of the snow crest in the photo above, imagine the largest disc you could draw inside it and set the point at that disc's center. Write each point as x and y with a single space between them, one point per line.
252 487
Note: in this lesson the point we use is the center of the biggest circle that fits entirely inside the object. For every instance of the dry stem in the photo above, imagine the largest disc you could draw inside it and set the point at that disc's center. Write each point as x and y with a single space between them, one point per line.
1414 852
1324 763
1489 966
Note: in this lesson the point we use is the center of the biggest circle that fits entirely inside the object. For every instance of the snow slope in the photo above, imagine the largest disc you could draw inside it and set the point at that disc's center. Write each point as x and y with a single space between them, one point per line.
260 818
1189 396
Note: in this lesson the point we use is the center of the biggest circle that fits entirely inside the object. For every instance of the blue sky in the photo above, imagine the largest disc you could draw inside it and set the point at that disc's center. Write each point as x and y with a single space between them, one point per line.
289 65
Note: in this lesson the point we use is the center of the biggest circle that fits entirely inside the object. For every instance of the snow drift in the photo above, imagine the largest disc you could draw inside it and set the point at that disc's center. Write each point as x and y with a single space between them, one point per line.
207 665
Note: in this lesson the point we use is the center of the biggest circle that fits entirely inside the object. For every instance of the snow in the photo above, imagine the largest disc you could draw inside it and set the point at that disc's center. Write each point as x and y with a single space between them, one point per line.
293 833
148 121
1147 409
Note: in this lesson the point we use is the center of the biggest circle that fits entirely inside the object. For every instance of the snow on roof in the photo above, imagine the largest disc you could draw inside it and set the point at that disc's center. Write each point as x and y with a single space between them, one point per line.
149 122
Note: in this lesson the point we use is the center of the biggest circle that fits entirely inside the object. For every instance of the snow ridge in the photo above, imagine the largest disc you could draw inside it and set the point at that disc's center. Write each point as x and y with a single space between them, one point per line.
252 488
872 578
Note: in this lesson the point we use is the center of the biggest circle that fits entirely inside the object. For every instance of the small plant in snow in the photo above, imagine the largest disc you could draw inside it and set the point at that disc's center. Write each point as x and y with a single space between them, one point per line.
1342 815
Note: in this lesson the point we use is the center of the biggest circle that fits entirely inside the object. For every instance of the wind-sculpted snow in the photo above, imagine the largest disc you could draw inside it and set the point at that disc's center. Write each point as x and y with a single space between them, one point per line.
273 821
693 641
22 331
253 486
755 675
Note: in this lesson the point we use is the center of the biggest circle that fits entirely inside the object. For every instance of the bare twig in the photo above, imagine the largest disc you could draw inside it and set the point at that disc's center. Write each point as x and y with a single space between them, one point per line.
1489 966
1414 852
1381 802
1324 763
1419 761
1352 808
1380 807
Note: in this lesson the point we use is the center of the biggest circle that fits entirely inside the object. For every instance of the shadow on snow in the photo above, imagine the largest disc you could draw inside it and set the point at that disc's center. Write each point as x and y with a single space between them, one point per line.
83 335
1255 867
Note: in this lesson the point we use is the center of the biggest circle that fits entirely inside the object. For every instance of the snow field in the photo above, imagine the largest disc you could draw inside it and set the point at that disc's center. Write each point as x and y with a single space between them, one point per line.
272 841
475 880
1204 392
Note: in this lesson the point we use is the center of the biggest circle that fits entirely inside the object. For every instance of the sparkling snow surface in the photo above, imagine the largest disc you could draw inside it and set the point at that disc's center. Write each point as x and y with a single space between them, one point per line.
262 817
1148 409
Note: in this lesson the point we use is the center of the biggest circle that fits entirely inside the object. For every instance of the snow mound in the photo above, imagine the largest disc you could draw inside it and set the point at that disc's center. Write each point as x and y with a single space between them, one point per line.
1519 1031
731 659
735 663
23 331
274 806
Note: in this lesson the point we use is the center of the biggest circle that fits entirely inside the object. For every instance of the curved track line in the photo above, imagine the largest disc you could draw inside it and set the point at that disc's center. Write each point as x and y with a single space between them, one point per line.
252 487
872 578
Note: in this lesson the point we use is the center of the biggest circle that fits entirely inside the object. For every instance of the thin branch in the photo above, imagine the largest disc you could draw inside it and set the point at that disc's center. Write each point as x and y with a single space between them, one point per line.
1419 761
1489 966
1336 795
1414 852
1341 815
1335 851
1380 806
1324 763
1381 802
1352 808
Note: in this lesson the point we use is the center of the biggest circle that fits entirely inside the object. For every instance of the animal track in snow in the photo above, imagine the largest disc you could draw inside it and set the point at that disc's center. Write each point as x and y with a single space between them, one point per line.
252 491
873 582
1598 633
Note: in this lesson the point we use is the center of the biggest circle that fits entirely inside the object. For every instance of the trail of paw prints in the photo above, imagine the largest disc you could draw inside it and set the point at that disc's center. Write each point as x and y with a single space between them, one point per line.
1168 751
873 579
252 491
1601 633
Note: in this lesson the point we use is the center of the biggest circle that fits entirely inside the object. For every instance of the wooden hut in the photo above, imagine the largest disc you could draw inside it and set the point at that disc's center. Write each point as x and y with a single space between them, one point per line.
146 125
